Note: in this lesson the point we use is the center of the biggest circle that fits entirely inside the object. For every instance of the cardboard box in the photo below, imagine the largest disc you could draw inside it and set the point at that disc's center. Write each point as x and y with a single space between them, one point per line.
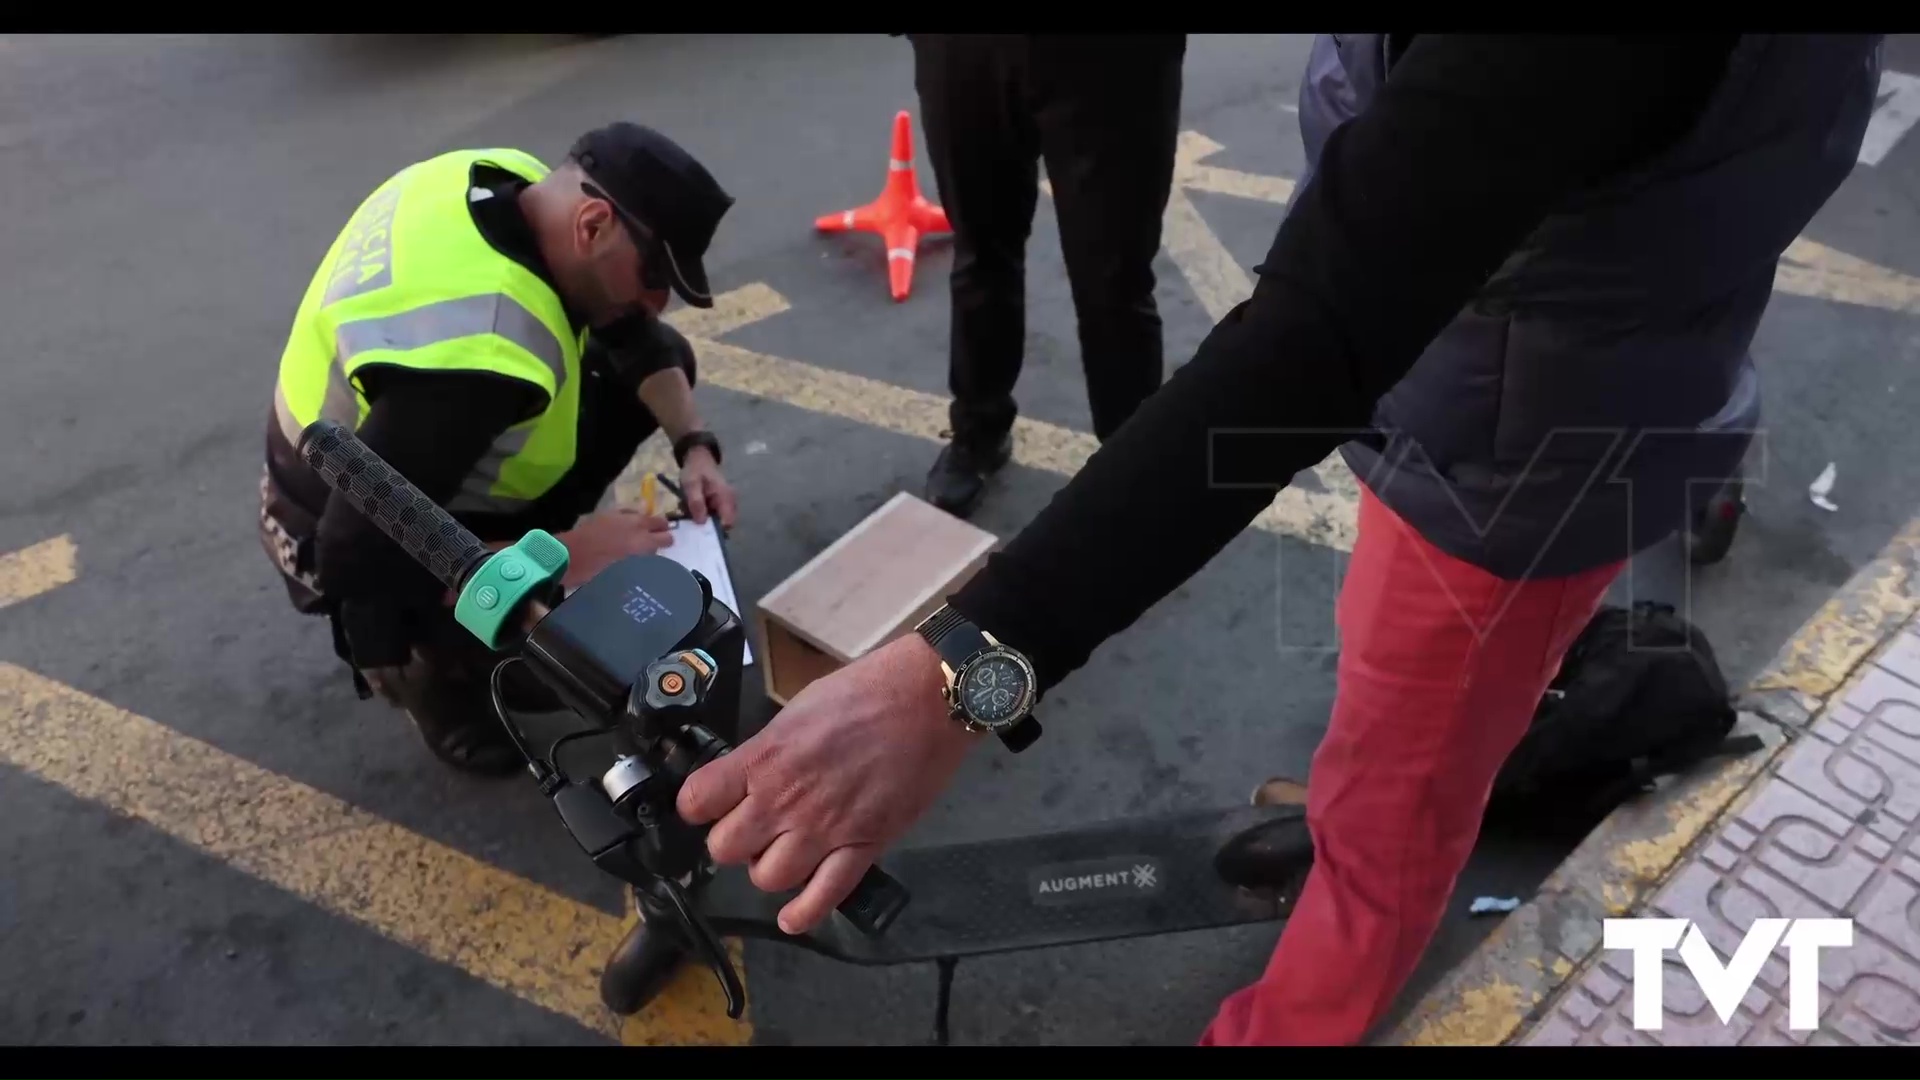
868 587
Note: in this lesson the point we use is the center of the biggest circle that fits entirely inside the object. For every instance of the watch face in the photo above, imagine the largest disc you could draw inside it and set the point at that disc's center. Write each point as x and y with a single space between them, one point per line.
995 690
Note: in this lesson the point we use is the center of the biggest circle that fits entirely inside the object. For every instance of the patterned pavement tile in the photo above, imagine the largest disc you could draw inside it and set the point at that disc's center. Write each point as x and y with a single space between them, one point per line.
1834 832
1902 656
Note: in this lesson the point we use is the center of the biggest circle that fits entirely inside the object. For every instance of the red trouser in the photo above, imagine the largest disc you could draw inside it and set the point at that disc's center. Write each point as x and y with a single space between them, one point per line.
1441 666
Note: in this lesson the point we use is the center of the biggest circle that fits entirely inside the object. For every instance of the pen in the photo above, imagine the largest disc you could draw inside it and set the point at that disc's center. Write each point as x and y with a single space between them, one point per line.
646 493
681 514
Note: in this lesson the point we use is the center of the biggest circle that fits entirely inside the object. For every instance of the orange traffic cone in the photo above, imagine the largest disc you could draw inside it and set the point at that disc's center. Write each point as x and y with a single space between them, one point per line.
901 215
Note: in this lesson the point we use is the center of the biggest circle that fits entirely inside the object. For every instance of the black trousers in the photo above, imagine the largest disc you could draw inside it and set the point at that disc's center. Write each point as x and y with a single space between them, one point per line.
1104 113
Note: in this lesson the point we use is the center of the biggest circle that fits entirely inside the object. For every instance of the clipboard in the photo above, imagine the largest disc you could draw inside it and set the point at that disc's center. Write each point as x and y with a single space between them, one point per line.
704 548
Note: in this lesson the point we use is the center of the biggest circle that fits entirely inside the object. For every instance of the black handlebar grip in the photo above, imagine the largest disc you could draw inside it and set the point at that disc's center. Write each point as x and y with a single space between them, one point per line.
875 902
402 511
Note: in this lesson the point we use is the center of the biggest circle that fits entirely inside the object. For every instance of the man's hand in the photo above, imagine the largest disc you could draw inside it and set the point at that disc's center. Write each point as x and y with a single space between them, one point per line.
609 536
833 780
706 490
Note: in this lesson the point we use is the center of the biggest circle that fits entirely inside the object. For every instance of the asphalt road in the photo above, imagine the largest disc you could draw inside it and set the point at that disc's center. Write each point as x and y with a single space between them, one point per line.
168 200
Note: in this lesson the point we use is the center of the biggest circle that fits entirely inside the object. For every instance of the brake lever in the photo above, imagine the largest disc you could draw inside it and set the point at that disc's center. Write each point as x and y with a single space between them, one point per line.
701 937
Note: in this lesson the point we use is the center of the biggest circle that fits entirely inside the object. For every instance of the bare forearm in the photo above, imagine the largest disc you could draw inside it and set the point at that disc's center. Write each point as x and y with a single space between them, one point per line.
669 397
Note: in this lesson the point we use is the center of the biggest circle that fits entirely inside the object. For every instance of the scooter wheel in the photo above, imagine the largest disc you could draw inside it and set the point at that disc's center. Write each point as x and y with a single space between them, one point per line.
640 968
1712 536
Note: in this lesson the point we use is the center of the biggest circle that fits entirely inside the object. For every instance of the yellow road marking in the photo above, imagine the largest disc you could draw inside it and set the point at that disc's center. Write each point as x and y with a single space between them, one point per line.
1326 518
45 566
654 455
1815 270
517 936
1852 624
1189 172
1483 1016
1215 276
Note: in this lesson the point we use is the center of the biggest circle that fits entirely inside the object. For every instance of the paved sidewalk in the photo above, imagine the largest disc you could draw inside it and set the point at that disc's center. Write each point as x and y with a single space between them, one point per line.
1824 823
1830 832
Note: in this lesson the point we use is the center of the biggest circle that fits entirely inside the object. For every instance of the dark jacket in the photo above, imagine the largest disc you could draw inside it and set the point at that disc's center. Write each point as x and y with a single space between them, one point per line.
1561 420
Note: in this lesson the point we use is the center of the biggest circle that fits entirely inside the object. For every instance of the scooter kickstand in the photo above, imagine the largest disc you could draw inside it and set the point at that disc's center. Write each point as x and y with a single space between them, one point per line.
943 998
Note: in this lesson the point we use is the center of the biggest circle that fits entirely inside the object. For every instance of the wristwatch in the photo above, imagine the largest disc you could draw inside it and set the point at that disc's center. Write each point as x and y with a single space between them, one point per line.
685 444
990 687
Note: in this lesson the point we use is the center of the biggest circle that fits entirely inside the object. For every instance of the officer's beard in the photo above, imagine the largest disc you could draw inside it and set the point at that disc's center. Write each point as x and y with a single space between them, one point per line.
634 324
595 302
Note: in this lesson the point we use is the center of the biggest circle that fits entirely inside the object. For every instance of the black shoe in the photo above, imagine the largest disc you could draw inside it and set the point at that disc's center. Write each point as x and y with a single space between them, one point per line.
958 479
473 743
454 717
1274 855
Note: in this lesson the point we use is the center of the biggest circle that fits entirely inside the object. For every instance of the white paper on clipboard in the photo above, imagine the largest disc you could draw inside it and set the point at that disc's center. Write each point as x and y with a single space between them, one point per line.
697 547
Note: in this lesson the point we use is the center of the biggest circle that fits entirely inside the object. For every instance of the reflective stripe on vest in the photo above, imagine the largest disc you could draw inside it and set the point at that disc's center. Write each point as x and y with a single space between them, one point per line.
437 324
411 282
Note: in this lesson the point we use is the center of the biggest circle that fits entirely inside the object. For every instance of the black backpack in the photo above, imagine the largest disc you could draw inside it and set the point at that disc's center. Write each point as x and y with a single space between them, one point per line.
1639 696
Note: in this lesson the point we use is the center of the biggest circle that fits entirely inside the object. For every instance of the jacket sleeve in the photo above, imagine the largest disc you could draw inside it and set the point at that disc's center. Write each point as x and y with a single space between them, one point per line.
431 427
637 347
1413 205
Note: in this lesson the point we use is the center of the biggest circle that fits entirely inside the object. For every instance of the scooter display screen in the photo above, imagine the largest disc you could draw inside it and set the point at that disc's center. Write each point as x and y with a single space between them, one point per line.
629 615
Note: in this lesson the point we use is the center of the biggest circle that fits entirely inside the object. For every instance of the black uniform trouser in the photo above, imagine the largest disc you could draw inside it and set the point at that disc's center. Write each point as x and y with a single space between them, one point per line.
1104 113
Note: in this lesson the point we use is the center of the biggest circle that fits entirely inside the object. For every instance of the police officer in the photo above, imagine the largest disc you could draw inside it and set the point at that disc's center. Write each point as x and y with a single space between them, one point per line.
489 326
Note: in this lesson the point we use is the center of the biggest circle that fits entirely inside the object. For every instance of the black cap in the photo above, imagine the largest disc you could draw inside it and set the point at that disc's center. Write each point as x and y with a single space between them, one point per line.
649 177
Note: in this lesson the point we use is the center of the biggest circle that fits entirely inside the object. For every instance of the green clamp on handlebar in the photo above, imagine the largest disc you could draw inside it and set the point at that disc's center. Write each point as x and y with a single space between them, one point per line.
508 577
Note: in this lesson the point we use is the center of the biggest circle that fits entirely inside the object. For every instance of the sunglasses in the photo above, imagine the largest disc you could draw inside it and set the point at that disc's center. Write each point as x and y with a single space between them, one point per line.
653 255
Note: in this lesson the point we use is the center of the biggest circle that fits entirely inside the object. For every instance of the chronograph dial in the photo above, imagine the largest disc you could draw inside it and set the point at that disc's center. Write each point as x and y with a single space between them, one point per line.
990 686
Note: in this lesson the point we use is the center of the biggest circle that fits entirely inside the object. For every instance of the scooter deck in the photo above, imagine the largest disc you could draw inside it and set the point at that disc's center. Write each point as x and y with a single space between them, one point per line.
1117 880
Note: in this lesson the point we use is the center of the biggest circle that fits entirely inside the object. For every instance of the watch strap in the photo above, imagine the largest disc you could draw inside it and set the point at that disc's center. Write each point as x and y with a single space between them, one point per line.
955 639
952 636
1021 735
685 444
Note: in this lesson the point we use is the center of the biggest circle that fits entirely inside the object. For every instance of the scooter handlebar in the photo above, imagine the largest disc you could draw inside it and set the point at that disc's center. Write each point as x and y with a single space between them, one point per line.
875 902
402 511
444 546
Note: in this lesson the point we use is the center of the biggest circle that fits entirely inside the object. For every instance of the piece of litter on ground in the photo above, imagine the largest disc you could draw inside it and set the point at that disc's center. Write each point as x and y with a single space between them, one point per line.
1823 484
1487 905
756 447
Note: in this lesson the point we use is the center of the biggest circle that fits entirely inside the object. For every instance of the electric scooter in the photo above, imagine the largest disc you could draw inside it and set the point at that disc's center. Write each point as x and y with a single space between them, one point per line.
650 660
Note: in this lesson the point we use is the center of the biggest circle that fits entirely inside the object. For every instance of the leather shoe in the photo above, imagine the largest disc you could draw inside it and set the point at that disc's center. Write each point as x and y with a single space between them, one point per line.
1274 855
958 479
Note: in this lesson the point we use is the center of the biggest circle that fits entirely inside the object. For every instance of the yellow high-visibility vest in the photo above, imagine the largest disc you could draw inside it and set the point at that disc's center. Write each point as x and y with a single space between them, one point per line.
412 282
